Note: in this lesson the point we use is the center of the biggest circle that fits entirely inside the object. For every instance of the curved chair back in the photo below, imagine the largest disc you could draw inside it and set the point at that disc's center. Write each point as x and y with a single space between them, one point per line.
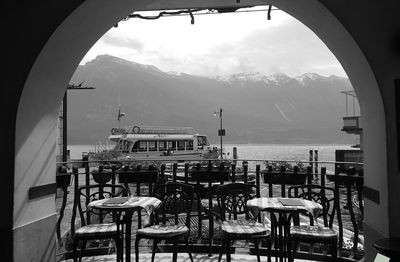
325 196
86 194
232 199
177 198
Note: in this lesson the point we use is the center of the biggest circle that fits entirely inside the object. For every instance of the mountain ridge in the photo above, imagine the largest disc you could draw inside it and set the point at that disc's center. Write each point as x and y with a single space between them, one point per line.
304 109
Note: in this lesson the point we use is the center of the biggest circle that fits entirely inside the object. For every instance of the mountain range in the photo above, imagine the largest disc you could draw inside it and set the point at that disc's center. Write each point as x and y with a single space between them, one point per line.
257 108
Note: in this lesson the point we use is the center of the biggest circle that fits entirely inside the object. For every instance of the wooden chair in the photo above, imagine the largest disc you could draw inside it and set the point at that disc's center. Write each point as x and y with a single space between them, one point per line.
176 199
240 225
96 224
314 233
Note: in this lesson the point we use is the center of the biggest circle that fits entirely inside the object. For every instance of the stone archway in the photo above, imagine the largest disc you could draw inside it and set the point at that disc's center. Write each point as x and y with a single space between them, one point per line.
43 91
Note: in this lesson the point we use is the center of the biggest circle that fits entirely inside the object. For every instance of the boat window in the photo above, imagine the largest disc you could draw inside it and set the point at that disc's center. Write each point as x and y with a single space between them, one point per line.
172 145
189 144
152 145
201 142
181 145
142 146
135 147
162 145
124 146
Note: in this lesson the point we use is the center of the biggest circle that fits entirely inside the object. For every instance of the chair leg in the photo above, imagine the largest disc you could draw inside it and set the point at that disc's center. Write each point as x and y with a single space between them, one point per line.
118 248
199 216
137 248
82 249
75 250
223 247
295 246
228 250
269 247
153 251
175 251
256 242
188 248
334 249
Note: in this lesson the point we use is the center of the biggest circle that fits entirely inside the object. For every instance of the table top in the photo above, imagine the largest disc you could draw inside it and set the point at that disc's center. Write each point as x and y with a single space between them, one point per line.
127 204
388 246
278 204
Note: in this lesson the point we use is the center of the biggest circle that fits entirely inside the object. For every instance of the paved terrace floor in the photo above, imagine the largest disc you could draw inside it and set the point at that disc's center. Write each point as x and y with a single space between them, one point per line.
182 257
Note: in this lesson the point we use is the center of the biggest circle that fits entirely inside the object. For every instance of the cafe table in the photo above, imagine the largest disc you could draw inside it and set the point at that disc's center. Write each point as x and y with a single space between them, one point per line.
127 205
284 208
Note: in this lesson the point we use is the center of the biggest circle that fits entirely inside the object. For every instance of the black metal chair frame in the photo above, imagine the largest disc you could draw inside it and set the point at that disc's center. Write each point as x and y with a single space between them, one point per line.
232 201
209 175
324 196
177 198
101 191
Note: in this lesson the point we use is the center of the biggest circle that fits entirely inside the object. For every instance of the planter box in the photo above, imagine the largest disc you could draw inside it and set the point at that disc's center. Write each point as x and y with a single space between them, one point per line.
138 176
289 178
101 177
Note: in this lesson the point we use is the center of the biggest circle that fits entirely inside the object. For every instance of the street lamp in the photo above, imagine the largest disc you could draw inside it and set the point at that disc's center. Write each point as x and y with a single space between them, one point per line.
221 132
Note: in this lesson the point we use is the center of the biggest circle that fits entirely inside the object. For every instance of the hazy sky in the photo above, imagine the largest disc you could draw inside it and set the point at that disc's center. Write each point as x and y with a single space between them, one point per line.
220 44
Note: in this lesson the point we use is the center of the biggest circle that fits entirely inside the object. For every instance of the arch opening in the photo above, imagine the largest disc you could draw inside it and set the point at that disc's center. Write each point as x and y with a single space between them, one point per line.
48 79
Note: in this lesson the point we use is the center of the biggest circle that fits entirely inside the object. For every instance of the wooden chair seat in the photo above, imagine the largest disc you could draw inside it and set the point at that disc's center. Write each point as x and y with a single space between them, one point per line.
243 227
163 231
307 231
97 230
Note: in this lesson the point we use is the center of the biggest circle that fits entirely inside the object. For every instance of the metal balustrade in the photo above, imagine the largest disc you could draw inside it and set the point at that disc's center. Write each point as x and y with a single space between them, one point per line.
272 177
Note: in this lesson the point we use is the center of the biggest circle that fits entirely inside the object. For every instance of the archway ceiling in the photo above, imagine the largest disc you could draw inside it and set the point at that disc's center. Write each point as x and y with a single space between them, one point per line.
183 4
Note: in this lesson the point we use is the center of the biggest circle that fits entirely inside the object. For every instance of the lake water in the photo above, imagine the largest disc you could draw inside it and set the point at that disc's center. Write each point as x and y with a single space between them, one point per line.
257 151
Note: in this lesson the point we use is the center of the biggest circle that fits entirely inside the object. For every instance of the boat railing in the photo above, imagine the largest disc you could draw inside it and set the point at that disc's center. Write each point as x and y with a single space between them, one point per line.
272 177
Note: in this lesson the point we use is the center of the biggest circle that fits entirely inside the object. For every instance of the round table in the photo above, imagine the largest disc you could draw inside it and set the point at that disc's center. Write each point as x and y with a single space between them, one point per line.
283 207
389 247
128 205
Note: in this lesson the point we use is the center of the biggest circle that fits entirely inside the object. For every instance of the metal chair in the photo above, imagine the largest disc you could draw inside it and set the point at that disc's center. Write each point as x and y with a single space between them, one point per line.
314 233
240 225
205 194
96 224
176 199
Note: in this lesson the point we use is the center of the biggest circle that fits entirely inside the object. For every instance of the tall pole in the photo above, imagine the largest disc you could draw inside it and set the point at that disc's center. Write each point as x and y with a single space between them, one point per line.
220 117
221 132
64 128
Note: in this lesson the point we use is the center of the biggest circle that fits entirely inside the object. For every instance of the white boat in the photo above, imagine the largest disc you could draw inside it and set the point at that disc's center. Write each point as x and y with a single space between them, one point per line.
157 143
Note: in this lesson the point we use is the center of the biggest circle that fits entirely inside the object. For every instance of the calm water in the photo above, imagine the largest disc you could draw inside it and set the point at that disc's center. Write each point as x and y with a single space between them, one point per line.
256 151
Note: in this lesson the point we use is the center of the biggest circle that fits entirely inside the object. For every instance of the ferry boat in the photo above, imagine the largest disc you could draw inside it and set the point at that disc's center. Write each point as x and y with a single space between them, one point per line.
153 143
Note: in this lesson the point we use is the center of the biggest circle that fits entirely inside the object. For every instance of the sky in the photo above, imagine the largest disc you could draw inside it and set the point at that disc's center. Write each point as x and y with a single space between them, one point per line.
220 45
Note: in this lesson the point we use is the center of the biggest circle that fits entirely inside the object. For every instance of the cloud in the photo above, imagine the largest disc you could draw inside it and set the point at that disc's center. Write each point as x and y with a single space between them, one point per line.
222 45
122 41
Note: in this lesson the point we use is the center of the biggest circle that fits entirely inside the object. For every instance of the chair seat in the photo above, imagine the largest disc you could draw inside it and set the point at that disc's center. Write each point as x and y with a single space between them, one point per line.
97 230
243 227
306 231
163 231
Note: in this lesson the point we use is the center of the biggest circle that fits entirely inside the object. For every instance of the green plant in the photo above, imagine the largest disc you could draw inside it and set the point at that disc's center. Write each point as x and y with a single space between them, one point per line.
277 165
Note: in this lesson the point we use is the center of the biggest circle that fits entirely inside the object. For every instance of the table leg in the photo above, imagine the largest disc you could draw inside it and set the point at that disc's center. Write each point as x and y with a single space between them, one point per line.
128 223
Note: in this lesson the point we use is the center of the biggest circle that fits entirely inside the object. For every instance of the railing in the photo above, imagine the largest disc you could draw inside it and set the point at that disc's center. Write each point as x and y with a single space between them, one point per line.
272 178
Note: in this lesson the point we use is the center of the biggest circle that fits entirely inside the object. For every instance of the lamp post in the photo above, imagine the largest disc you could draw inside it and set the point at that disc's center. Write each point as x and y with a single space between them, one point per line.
221 132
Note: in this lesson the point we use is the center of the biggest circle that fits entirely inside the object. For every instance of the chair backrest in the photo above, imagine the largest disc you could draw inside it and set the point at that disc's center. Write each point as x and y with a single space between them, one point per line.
232 199
86 194
177 199
139 176
320 194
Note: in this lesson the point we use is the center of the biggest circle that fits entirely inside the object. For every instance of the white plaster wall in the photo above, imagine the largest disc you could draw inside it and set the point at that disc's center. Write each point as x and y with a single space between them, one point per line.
341 44
46 84
40 101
